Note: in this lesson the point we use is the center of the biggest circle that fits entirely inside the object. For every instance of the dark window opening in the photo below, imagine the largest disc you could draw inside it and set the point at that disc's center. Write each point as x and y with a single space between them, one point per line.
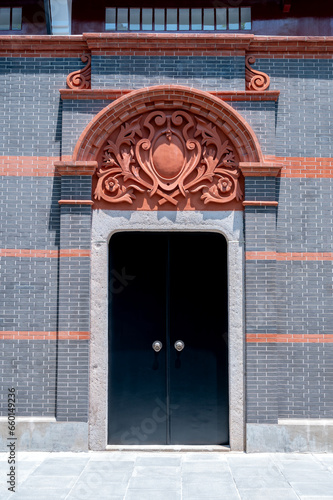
10 18
177 19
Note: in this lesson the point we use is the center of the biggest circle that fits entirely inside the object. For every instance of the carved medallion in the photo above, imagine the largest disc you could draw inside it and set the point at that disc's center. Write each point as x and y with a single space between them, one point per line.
168 156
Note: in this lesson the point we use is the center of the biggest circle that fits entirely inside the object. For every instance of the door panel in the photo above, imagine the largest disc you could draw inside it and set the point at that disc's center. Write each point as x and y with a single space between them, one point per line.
198 317
137 374
168 287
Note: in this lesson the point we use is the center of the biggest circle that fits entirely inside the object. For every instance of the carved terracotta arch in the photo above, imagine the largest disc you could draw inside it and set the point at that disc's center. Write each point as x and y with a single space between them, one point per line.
169 147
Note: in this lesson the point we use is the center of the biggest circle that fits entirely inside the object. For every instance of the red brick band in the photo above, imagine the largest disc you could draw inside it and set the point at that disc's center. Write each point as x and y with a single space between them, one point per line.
297 338
260 203
28 166
75 202
44 166
45 254
287 256
300 167
113 94
29 335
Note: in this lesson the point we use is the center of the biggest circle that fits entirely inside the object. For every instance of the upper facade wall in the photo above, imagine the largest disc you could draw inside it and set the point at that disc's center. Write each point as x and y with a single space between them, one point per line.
272 17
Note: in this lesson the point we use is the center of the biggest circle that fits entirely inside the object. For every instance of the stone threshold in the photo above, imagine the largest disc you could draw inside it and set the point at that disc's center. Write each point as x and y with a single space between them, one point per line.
172 448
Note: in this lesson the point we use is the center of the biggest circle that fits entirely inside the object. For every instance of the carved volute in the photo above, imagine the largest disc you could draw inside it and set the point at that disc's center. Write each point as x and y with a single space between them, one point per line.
168 159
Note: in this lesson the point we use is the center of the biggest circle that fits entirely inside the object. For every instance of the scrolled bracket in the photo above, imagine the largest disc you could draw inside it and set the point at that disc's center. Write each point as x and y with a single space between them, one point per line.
81 79
254 79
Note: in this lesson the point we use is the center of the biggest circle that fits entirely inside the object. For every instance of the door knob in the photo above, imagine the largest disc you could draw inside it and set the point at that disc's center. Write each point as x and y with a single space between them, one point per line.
179 345
157 346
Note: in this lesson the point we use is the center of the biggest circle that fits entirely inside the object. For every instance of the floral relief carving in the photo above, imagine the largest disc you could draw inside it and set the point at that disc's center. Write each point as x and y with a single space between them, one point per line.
81 79
254 79
168 155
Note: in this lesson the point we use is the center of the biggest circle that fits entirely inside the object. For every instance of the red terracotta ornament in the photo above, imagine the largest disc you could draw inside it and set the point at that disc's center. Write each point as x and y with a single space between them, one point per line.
254 79
169 154
81 79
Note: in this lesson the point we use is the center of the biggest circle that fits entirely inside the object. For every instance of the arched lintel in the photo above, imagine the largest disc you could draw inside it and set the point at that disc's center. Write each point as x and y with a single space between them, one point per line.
169 97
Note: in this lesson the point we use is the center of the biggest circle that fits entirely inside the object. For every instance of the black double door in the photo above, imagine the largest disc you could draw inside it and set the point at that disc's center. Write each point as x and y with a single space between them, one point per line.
164 288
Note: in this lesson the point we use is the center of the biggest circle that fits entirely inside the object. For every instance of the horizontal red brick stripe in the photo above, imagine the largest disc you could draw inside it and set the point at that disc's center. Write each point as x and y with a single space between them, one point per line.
46 254
27 335
107 94
28 166
260 203
75 202
43 166
304 338
306 167
289 255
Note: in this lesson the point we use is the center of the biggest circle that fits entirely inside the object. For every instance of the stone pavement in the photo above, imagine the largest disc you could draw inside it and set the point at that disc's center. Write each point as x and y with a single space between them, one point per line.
169 476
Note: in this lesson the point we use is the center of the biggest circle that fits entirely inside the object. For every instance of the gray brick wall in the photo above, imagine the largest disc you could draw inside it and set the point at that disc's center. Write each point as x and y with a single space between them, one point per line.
30 367
74 287
134 72
29 212
75 187
260 289
76 115
304 110
260 229
262 383
72 380
28 294
261 116
305 380
260 188
305 297
31 104
305 214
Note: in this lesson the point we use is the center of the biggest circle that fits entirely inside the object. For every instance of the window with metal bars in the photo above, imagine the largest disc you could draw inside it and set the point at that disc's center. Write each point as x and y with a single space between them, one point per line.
10 18
178 19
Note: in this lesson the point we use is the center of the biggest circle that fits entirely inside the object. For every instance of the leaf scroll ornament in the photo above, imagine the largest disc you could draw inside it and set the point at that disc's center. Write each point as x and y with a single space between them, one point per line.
168 154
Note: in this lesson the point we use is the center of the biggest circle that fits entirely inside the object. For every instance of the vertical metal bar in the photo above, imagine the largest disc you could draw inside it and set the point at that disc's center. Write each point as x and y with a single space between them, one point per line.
167 328
48 20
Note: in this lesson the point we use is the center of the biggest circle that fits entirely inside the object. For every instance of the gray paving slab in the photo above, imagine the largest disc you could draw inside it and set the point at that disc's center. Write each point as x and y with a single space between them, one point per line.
259 477
147 483
159 461
311 487
267 494
94 489
152 495
157 472
169 476
208 490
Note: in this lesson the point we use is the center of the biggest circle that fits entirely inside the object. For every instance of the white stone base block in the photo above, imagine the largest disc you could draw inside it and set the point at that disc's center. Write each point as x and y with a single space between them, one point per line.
297 436
45 434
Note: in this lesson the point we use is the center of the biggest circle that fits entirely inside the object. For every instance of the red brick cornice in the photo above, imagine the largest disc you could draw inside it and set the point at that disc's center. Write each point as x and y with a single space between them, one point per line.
253 169
195 44
113 94
167 43
76 167
42 46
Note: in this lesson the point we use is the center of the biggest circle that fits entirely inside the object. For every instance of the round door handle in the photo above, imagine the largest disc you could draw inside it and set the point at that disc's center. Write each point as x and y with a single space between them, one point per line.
157 346
179 345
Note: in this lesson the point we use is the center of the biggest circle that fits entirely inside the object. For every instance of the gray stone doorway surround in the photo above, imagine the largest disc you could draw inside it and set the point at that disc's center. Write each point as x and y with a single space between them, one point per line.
104 224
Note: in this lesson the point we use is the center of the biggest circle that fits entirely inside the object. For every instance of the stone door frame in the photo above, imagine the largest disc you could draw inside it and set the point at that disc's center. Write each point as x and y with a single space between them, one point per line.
106 223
